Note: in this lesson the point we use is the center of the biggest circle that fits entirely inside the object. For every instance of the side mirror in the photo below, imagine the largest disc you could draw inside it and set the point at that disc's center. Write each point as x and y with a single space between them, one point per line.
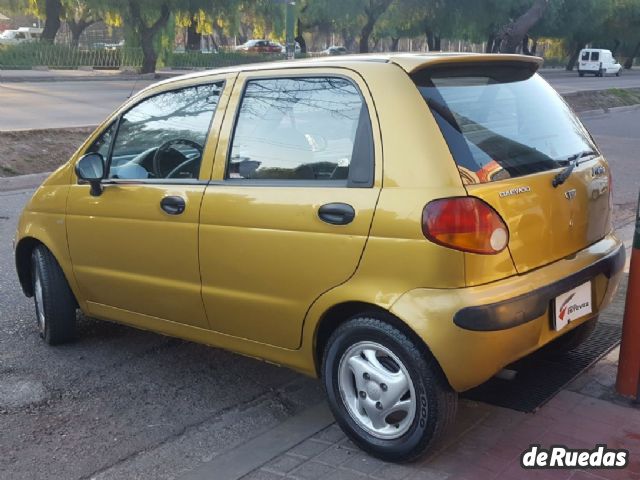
91 168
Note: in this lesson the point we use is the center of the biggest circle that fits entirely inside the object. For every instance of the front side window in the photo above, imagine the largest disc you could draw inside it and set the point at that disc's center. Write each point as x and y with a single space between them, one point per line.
312 128
162 137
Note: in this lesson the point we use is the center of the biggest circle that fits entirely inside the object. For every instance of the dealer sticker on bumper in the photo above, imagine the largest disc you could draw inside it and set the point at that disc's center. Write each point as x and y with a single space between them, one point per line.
572 305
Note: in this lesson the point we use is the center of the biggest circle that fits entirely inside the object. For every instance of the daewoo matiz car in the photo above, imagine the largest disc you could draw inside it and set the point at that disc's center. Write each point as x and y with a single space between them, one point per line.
402 226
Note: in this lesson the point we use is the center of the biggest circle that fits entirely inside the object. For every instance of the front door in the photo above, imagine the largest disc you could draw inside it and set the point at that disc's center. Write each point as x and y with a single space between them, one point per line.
293 193
134 248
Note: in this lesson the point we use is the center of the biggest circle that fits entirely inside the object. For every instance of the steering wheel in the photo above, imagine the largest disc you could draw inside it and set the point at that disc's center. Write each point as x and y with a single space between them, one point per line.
162 149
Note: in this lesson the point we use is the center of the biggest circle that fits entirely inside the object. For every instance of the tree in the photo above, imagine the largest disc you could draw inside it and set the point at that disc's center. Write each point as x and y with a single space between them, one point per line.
53 12
79 16
373 10
511 36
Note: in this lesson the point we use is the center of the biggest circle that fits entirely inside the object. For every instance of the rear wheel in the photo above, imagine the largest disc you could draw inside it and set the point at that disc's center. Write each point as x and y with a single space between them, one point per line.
54 301
386 391
581 74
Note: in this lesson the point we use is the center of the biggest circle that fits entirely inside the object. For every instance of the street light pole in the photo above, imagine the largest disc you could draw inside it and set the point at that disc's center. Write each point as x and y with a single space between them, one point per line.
291 22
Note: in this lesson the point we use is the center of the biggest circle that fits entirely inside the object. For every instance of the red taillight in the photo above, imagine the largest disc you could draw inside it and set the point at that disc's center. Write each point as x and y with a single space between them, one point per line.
465 223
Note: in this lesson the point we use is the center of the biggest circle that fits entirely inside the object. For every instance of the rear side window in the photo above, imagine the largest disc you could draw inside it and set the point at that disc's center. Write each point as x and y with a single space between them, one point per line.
501 121
595 56
302 128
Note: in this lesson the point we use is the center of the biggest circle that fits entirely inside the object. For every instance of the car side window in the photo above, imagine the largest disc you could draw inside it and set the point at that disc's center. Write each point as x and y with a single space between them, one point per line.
302 128
163 136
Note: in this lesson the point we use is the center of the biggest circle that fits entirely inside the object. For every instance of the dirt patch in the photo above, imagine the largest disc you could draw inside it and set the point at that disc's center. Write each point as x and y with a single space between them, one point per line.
37 151
603 99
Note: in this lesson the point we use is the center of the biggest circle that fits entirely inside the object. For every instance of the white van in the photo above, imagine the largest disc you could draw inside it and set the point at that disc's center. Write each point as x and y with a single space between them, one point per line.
598 62
21 35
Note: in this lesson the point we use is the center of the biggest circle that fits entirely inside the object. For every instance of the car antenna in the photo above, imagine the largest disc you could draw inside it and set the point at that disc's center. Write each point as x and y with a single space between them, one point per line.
135 83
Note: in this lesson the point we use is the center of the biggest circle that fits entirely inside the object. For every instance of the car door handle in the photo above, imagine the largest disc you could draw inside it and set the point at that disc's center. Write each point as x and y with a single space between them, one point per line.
337 213
173 205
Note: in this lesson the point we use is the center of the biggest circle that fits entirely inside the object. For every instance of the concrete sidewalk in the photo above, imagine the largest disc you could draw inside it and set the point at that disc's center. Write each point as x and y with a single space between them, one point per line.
487 441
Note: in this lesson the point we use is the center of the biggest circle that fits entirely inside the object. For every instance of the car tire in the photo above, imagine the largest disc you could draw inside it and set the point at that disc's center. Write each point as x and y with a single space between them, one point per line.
357 384
54 302
570 340
581 74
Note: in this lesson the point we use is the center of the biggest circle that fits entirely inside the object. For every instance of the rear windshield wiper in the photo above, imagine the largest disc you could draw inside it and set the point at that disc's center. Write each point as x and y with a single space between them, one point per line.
573 161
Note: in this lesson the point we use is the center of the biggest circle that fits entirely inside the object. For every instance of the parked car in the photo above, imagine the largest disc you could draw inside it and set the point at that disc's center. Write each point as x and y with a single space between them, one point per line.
260 46
335 50
598 62
21 35
254 209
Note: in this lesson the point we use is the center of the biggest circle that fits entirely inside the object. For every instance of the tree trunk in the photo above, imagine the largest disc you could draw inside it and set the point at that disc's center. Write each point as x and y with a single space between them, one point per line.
52 10
365 33
194 39
574 56
490 43
534 47
76 28
514 33
616 45
430 39
394 43
149 54
147 34
300 38
628 64
348 39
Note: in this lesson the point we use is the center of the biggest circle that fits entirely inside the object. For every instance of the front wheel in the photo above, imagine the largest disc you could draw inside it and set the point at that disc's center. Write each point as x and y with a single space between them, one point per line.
54 301
385 389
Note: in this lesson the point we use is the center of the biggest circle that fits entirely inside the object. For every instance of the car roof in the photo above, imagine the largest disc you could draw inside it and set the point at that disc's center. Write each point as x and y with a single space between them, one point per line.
410 62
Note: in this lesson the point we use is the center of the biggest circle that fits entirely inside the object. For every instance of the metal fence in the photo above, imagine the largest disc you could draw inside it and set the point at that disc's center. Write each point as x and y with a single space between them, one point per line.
26 56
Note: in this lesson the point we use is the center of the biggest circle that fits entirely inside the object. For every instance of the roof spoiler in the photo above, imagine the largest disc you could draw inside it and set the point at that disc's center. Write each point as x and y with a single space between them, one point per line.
414 63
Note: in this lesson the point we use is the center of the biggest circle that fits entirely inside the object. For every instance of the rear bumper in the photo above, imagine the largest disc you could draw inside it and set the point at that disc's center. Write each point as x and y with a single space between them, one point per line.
474 332
529 306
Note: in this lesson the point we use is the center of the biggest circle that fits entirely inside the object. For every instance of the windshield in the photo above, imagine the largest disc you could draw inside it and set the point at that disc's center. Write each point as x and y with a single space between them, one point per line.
501 122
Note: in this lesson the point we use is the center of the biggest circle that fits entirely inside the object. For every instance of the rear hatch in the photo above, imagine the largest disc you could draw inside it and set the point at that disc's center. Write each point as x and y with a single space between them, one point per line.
521 149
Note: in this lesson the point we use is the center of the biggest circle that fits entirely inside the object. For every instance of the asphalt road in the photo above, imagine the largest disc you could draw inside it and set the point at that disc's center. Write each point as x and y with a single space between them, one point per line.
70 104
123 403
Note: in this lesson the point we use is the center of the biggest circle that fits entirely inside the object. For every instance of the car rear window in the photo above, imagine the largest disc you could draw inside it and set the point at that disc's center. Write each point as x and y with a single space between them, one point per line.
501 121
585 56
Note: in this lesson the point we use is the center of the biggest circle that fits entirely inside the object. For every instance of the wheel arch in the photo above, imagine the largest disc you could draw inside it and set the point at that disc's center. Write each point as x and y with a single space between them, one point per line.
342 312
24 249
23 252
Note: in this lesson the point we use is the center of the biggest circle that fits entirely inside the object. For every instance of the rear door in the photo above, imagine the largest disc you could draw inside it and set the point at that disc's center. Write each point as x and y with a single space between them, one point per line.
295 184
512 136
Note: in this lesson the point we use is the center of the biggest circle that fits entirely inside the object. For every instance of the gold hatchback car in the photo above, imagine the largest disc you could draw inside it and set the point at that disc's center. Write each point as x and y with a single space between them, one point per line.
402 226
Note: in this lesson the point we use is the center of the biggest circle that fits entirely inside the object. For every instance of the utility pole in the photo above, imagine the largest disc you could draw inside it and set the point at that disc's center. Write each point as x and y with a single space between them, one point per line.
628 382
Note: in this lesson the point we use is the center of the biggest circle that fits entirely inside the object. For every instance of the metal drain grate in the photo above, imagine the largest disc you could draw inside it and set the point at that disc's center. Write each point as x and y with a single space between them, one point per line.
539 379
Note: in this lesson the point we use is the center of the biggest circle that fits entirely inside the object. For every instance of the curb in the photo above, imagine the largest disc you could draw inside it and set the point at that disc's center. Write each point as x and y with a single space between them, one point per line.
605 111
84 78
22 182
242 460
